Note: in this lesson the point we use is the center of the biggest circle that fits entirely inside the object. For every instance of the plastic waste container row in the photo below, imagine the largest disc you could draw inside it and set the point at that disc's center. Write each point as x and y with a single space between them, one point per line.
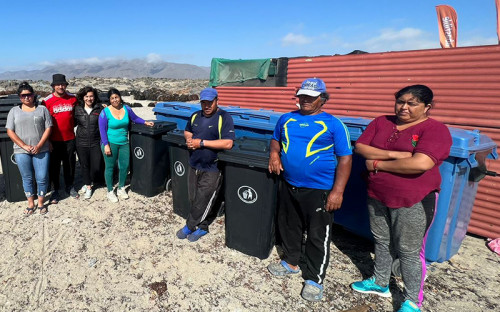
459 175
250 192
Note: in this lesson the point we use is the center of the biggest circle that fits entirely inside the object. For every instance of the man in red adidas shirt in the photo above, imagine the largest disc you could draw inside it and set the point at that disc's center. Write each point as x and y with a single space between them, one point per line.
61 107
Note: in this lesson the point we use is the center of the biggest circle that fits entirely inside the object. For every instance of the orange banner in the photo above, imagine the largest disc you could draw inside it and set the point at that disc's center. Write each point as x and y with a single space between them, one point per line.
498 20
447 22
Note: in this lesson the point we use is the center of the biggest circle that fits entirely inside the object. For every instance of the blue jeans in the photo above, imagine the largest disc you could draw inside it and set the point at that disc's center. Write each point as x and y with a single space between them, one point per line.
37 164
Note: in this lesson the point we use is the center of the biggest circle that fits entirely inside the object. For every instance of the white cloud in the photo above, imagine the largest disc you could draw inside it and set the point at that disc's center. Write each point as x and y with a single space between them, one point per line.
45 63
386 40
89 60
398 40
153 58
150 58
475 41
295 39
401 40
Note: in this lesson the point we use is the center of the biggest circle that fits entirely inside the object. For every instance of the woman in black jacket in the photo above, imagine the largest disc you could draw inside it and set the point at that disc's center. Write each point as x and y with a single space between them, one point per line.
87 137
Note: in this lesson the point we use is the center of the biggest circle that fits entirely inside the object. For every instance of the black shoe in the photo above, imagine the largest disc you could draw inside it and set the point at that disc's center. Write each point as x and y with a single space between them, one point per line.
54 198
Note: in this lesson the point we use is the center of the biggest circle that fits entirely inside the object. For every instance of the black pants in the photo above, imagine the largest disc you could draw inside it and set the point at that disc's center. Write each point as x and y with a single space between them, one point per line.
62 151
203 190
300 210
90 159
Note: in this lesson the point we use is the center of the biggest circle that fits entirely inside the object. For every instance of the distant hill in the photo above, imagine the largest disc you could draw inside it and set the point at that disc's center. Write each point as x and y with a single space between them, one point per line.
124 69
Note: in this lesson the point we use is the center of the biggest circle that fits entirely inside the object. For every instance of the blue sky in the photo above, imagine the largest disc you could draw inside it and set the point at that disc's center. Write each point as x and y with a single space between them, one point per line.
38 33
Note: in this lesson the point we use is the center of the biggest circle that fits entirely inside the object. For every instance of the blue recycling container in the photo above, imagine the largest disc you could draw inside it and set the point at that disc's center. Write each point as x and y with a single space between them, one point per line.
247 122
253 123
458 192
178 112
353 215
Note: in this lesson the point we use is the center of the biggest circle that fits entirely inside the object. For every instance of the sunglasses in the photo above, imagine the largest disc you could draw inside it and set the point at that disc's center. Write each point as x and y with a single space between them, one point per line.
25 95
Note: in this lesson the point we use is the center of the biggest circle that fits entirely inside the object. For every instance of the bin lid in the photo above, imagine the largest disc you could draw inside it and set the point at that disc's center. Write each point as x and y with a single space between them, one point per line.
10 101
262 119
180 109
4 110
175 136
253 152
159 127
355 125
468 142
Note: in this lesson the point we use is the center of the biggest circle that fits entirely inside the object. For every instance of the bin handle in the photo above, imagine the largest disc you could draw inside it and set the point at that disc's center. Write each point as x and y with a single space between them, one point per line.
472 161
490 173
253 148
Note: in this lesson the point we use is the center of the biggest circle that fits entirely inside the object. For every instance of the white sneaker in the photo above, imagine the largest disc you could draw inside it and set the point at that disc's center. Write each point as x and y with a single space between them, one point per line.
112 197
83 189
122 193
88 193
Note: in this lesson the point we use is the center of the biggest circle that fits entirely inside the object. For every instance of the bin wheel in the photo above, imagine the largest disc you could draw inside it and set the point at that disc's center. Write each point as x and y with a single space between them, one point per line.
168 186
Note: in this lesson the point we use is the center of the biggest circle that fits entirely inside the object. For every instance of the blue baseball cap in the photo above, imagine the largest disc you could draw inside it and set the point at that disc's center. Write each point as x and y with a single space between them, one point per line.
208 94
312 87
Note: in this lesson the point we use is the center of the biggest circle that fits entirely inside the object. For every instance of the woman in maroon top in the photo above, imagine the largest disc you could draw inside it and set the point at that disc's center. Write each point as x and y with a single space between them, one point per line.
403 153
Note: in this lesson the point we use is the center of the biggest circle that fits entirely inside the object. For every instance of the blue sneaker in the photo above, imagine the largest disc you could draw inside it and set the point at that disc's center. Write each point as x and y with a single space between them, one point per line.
196 235
368 286
409 306
184 232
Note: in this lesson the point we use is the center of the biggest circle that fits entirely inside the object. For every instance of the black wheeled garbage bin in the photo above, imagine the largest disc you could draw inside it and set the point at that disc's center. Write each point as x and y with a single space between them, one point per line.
150 161
14 191
250 197
179 166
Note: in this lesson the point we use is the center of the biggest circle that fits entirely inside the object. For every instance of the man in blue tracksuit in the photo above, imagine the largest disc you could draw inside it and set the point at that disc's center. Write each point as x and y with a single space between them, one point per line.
313 150
209 130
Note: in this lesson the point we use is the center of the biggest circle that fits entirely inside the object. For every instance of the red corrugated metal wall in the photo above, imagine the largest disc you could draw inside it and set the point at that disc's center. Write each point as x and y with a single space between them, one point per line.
277 98
465 81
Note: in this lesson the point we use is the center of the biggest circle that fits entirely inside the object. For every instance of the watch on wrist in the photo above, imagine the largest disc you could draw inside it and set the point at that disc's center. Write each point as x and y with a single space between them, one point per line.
202 144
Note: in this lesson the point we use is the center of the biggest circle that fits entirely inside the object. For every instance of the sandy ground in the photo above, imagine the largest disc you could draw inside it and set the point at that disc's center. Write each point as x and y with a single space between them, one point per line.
96 256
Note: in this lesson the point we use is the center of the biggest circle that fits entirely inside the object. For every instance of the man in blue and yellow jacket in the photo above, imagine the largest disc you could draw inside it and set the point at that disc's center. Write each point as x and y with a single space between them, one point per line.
312 148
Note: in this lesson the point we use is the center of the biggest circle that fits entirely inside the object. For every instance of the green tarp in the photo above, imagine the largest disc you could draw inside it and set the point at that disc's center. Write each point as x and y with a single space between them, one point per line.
228 71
